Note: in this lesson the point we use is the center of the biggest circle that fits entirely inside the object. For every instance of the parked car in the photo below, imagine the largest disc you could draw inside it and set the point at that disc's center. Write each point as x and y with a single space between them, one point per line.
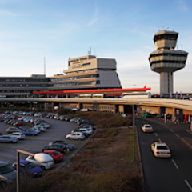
56 147
75 120
18 135
36 128
86 131
160 149
19 123
7 172
8 139
56 155
75 135
31 132
69 146
11 130
29 168
40 127
42 159
147 128
45 125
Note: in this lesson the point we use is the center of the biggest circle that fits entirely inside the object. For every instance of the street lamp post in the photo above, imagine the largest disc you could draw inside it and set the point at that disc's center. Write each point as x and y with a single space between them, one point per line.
133 114
18 170
18 167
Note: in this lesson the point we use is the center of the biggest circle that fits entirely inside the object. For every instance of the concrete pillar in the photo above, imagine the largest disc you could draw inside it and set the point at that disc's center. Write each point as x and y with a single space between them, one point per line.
121 109
45 106
166 84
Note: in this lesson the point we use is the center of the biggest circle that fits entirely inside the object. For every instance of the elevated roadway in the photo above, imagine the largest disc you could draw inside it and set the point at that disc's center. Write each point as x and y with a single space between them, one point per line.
170 103
180 110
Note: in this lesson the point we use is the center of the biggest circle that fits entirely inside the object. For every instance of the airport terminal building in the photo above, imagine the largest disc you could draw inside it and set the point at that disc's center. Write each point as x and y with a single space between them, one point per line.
87 72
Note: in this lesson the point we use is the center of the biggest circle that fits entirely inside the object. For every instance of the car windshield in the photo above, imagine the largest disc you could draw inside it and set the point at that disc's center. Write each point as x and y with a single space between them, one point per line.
6 169
163 147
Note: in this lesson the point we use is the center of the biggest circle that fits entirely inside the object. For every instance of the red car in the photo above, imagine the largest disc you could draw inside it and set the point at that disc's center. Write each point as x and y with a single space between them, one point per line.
56 155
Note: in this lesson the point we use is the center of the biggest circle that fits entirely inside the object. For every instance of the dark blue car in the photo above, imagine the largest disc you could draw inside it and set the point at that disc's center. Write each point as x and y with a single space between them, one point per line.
30 132
31 168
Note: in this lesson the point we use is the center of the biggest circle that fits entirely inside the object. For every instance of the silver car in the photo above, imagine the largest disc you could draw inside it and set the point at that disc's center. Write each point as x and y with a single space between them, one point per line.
8 139
7 172
18 135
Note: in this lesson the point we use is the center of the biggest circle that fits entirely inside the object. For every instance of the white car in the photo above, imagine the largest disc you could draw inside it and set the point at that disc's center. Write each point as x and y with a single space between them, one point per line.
160 149
147 128
41 128
8 139
41 159
18 135
86 131
75 135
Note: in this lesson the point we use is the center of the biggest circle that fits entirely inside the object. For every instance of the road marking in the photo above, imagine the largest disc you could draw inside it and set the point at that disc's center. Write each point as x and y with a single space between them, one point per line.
188 185
186 143
175 164
177 135
156 134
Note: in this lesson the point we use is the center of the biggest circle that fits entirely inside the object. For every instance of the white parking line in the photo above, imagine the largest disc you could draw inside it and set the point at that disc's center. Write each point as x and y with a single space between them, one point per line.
188 185
156 134
175 164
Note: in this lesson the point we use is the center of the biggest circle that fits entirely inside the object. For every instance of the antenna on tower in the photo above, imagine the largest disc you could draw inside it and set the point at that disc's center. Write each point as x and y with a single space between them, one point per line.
44 62
89 51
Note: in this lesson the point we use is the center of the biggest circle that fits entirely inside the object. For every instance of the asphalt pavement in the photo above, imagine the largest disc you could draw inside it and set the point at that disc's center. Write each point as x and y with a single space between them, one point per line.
33 144
164 175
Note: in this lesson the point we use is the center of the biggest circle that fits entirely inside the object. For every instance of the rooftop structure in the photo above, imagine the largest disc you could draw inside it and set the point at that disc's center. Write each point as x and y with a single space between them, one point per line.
165 60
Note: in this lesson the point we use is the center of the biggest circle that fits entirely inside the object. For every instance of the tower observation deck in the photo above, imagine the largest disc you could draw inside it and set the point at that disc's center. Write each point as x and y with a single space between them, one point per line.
165 60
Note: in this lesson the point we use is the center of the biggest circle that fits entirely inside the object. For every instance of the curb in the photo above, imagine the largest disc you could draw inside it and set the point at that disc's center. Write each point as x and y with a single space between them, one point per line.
140 160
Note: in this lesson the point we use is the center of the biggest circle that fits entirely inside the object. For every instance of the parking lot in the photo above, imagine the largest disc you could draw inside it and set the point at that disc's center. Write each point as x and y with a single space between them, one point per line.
32 144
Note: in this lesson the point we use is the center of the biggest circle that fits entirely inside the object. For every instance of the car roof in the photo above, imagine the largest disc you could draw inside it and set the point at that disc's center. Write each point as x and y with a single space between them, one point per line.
160 143
48 150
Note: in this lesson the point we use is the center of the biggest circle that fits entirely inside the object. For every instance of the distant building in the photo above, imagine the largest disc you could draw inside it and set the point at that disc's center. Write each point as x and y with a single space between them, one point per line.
88 72
165 60
23 86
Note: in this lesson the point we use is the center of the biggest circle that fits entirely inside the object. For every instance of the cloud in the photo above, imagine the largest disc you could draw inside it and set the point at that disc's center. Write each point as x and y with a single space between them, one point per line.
95 17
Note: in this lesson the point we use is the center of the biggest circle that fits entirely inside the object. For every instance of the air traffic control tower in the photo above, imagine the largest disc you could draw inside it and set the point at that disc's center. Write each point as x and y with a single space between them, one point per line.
165 60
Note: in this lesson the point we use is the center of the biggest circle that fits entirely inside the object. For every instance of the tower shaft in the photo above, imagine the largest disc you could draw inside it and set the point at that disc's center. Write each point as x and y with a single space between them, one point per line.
166 83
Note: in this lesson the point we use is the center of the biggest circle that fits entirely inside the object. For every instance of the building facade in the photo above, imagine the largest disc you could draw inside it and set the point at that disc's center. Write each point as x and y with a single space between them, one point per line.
88 72
20 87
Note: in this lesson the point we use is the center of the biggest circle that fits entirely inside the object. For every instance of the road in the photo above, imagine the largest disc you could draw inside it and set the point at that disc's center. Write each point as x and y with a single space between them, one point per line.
35 143
164 175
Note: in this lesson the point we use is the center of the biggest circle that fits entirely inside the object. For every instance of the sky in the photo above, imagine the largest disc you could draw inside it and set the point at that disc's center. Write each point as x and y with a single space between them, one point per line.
122 29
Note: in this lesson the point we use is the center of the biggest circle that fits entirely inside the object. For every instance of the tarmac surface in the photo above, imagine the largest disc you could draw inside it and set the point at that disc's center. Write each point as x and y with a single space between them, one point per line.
174 174
33 144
